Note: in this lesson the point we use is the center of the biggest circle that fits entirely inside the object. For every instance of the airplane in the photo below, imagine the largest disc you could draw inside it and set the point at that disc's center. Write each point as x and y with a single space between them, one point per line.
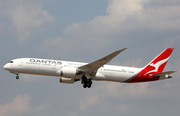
70 72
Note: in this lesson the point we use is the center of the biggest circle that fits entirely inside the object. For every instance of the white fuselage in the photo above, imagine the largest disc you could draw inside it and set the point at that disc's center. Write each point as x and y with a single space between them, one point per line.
53 68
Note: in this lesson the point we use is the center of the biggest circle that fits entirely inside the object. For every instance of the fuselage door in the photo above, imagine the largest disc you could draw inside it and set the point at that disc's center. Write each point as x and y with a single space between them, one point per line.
21 62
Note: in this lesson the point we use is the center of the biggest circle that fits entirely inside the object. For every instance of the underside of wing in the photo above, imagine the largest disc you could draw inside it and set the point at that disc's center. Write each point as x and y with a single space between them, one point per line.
92 68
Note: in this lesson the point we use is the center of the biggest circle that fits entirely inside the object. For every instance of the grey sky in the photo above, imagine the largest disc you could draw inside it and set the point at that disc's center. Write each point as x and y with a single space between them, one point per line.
84 30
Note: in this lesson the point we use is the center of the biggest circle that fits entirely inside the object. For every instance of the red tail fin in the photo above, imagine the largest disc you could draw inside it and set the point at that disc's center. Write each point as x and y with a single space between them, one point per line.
158 64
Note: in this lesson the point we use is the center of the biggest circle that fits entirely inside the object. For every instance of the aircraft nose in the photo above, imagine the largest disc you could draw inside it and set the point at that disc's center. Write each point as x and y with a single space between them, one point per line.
6 66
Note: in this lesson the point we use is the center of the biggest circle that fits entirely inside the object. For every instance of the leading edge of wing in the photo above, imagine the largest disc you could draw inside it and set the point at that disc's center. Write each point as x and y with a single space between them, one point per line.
94 66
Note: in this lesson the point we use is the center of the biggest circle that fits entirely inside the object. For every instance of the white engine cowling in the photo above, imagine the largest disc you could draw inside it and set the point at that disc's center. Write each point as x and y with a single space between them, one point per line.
68 72
66 80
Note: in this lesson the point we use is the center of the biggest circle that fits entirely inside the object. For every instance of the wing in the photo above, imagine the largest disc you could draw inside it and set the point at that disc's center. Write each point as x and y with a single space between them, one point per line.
92 68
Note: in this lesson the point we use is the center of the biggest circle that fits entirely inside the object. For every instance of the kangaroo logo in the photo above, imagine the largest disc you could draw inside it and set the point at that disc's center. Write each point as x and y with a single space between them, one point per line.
157 65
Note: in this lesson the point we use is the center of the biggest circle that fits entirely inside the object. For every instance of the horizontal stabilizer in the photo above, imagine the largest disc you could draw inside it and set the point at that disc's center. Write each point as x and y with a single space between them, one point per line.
163 73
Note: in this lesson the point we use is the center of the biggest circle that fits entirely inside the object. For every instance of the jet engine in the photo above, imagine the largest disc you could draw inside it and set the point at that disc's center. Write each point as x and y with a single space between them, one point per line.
67 80
68 72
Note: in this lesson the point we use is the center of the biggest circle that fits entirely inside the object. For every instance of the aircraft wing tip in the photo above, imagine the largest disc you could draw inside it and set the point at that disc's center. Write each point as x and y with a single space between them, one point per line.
123 49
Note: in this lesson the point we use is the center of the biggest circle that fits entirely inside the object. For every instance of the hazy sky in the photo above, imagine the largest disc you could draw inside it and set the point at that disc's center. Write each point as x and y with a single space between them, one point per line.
86 30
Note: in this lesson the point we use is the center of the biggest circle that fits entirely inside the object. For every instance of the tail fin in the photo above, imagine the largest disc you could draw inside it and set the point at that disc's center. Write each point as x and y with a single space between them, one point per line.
153 70
158 63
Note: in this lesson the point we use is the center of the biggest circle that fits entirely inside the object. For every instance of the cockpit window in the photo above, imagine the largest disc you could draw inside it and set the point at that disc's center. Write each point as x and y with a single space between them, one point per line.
10 61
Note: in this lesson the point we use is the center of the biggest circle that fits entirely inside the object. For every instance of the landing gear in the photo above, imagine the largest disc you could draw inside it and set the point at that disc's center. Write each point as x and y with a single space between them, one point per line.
86 82
17 77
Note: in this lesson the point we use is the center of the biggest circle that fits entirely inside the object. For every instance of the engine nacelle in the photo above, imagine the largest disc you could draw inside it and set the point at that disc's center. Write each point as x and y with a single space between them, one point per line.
68 72
66 80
